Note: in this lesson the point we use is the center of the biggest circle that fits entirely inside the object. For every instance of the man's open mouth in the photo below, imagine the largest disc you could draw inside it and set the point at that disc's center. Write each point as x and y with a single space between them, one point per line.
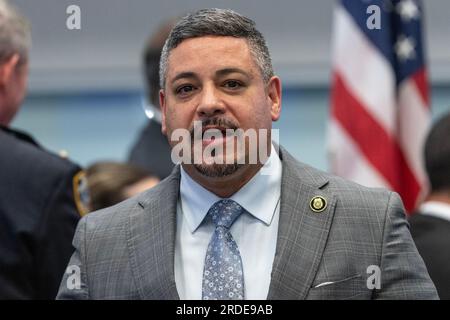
215 134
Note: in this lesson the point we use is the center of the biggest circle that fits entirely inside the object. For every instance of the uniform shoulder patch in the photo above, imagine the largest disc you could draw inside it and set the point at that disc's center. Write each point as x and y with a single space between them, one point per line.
81 193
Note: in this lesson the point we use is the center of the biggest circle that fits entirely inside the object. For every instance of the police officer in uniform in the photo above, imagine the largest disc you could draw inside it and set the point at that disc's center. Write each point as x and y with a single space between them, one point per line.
41 197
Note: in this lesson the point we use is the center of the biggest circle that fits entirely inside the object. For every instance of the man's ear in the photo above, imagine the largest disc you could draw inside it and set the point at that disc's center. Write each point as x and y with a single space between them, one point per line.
7 69
274 96
162 104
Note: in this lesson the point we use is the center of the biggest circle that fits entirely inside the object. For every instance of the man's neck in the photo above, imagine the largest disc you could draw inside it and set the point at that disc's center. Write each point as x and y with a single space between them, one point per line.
225 186
441 196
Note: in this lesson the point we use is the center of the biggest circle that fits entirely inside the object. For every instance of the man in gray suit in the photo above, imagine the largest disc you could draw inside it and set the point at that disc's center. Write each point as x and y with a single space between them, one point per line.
240 229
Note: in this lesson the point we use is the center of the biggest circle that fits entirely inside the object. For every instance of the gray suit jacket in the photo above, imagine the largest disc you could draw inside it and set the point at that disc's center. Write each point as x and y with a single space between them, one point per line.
127 251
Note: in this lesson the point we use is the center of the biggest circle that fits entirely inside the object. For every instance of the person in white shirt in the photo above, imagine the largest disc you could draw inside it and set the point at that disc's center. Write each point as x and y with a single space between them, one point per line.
430 225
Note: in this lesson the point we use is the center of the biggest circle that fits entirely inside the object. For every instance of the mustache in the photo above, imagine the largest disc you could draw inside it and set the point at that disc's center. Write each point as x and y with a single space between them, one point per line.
219 122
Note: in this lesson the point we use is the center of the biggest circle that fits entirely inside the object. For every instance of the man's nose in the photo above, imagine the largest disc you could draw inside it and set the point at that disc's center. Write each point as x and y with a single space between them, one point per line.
210 103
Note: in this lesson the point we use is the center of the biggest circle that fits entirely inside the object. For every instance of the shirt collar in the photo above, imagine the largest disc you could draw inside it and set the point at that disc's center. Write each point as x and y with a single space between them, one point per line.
259 196
436 209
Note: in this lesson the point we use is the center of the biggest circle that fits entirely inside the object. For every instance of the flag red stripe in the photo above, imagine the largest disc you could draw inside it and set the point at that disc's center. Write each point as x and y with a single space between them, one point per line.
380 149
421 81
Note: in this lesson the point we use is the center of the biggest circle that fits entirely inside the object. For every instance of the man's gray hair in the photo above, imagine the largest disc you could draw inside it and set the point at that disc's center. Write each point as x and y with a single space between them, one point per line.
218 22
14 33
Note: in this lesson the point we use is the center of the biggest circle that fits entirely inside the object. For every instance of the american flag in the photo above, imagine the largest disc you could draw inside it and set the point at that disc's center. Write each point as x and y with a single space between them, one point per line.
380 107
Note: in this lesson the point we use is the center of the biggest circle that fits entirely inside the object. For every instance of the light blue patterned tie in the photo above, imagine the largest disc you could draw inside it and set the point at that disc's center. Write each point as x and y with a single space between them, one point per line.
223 276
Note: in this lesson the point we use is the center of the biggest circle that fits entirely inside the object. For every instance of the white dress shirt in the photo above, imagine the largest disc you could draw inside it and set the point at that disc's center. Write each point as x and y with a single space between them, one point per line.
255 232
436 209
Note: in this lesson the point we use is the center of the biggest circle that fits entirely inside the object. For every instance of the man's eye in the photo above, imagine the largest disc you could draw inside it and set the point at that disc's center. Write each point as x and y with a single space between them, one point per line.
183 90
232 84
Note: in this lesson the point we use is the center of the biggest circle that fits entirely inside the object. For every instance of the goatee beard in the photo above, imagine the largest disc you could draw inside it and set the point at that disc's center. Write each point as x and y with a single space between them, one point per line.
217 170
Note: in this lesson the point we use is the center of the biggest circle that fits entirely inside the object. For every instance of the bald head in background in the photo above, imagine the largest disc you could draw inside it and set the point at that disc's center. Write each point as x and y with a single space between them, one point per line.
15 43
151 150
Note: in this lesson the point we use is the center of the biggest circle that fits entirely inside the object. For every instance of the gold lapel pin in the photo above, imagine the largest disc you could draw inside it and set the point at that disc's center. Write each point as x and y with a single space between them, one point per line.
318 204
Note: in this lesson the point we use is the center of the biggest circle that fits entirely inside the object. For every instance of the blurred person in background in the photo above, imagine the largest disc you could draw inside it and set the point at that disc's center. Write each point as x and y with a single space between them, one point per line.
112 182
151 151
41 194
430 226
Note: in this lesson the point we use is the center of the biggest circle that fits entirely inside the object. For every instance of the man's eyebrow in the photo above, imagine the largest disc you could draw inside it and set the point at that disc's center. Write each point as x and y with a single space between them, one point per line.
221 72
226 71
183 75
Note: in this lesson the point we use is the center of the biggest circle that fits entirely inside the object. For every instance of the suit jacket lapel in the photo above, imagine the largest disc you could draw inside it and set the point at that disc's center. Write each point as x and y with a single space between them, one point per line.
302 233
151 240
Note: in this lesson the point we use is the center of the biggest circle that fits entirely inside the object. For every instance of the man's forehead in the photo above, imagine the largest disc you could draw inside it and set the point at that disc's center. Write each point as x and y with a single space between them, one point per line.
214 52
212 41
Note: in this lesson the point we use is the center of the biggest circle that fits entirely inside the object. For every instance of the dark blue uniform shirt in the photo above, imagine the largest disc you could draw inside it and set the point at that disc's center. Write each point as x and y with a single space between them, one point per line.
38 217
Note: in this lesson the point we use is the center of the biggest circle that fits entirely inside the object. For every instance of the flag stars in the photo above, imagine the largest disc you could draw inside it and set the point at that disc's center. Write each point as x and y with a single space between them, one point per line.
405 48
408 10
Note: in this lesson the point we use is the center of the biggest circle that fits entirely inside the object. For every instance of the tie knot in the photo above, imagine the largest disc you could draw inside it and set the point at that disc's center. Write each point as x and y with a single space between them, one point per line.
224 212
